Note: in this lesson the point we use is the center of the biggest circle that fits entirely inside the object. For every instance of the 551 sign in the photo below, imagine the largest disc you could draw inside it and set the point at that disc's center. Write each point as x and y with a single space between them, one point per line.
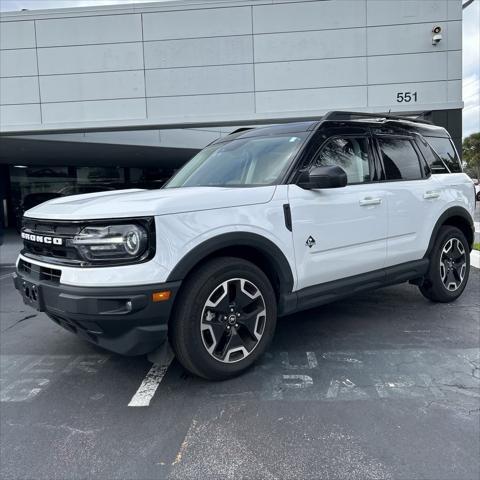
406 97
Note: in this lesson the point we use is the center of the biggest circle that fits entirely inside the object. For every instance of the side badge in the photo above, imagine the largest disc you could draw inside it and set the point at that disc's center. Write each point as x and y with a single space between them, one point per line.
310 242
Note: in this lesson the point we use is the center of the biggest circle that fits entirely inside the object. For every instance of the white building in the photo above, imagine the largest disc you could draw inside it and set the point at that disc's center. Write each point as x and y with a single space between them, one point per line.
210 64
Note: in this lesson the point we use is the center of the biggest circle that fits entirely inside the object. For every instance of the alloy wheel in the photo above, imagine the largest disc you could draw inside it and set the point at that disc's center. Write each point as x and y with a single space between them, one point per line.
453 264
233 320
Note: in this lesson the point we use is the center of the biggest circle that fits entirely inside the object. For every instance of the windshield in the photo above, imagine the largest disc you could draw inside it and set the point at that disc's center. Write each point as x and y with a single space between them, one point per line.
238 163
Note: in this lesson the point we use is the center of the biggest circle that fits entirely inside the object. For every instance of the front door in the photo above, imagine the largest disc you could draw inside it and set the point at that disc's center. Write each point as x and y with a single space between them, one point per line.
340 232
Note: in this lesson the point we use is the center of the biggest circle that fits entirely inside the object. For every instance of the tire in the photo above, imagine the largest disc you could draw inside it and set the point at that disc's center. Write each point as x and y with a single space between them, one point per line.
224 318
478 197
449 268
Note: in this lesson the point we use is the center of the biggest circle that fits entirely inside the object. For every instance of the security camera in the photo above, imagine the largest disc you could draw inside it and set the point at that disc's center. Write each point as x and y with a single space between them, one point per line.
437 35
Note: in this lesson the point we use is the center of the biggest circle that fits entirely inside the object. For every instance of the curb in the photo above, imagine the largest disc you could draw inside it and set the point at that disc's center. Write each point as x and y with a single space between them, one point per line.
475 258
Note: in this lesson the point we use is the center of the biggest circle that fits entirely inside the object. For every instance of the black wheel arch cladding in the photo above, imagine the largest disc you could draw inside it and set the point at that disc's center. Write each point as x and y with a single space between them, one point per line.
456 217
249 246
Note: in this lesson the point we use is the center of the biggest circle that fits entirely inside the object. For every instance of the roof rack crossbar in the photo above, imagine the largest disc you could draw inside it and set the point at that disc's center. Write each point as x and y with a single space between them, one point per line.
338 115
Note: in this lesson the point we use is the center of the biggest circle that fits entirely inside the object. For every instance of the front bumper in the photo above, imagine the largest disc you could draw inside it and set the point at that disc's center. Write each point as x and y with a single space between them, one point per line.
124 320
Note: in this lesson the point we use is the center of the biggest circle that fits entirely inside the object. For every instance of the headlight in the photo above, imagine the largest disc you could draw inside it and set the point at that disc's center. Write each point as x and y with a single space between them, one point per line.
113 242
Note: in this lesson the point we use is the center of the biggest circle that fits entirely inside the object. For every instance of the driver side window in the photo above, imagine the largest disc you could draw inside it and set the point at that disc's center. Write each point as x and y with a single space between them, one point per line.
349 153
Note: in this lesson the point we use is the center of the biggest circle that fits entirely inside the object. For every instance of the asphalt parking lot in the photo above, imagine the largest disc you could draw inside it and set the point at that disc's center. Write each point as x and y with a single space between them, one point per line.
379 386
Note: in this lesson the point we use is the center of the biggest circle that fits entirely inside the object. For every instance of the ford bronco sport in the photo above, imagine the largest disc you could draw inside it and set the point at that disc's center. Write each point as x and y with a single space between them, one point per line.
259 224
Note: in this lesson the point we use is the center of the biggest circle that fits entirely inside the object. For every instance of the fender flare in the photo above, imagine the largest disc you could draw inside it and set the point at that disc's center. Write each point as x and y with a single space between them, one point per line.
236 239
449 213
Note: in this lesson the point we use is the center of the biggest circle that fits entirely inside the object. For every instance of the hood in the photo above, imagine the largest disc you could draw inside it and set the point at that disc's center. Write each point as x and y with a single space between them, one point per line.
143 203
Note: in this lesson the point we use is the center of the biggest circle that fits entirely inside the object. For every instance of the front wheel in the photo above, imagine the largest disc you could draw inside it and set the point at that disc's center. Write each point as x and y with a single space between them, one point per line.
449 266
224 318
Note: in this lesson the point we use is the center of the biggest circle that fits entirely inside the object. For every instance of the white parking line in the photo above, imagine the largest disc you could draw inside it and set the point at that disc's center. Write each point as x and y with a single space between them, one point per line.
153 378
475 258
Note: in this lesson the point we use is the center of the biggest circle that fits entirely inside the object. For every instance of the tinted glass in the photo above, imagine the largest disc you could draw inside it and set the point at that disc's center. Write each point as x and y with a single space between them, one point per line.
349 153
400 159
444 149
433 160
242 162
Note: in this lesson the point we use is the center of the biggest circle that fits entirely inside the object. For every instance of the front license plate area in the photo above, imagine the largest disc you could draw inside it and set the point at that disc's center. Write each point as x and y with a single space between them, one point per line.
31 295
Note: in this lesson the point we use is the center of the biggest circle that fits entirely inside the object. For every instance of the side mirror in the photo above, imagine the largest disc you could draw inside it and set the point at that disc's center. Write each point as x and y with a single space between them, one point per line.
331 176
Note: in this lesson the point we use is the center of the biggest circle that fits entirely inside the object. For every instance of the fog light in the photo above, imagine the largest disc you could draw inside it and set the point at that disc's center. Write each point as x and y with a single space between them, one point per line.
161 296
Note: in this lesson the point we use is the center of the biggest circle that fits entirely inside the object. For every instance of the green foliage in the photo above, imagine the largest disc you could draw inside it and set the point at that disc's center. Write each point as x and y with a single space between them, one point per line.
471 153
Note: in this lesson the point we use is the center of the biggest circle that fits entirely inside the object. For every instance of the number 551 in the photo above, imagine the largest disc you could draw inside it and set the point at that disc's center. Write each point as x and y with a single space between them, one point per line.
406 97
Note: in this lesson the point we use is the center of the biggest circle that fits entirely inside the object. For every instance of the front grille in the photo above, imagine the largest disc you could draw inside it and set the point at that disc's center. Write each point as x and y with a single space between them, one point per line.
36 272
64 230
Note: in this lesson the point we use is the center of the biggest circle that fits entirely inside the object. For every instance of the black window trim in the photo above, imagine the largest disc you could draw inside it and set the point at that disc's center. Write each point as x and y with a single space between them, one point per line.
420 159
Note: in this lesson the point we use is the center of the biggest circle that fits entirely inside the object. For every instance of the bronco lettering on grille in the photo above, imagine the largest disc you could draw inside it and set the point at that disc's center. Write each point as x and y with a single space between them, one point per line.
42 239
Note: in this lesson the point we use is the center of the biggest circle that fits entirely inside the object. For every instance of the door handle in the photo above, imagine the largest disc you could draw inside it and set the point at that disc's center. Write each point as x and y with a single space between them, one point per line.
431 194
367 201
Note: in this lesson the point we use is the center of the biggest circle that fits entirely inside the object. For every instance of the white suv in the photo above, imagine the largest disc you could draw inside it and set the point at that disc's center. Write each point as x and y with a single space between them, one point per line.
262 223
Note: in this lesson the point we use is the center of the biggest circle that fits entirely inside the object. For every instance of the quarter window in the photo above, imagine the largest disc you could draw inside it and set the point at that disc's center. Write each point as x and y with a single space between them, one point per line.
400 159
435 163
349 153
449 162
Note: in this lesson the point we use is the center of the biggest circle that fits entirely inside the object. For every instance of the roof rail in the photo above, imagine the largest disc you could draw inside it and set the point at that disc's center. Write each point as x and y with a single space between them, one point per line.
241 129
341 115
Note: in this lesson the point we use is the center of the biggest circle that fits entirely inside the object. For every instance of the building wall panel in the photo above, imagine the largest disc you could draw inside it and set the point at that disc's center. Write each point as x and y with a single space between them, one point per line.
387 12
18 63
454 65
90 58
425 67
198 52
92 86
312 100
18 90
454 35
297 16
17 35
454 10
188 107
310 74
426 93
101 111
20 114
211 22
395 39
89 30
199 80
278 47
454 91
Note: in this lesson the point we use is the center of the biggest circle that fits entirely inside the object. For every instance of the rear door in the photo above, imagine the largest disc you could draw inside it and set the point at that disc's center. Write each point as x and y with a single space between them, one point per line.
413 198
340 232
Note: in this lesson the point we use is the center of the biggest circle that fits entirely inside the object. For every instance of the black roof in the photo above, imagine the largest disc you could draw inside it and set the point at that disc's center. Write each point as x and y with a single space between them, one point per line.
413 124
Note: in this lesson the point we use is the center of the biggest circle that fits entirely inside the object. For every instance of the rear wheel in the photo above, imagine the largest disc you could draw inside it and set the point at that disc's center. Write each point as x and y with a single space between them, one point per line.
449 266
224 318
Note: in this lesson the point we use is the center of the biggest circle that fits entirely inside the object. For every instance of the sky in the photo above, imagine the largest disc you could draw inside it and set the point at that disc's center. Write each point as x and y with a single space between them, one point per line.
471 47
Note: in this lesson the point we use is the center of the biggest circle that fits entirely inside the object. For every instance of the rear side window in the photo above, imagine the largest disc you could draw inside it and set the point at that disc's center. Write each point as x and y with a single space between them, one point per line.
400 159
450 163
